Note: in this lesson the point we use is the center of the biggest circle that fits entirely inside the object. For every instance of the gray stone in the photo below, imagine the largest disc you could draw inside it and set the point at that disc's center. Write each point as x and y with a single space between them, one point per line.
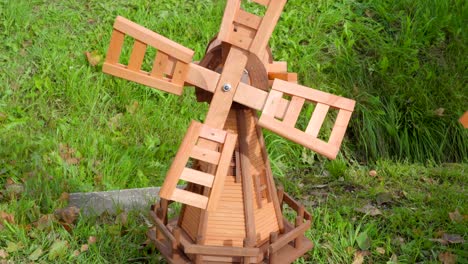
96 203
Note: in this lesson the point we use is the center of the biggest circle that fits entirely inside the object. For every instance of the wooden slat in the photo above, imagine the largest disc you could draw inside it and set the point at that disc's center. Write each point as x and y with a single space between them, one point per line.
137 56
115 47
298 136
288 237
230 12
266 27
201 77
248 19
159 64
153 39
316 121
181 159
180 71
240 40
141 77
272 102
206 155
221 172
256 98
293 112
222 251
213 134
277 66
197 177
190 198
339 128
314 95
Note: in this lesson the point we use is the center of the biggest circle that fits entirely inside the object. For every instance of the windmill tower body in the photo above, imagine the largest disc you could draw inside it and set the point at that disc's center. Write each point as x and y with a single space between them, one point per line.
231 210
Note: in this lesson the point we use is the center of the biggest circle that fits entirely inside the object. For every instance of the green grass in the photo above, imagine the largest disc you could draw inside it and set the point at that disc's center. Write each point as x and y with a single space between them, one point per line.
400 60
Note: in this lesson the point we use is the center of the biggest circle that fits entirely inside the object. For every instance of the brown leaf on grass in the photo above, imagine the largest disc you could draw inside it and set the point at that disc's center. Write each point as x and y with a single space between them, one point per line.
84 247
3 254
447 258
45 221
93 57
6 217
68 214
76 253
373 173
68 154
380 250
369 209
453 238
456 216
359 256
12 189
92 240
64 197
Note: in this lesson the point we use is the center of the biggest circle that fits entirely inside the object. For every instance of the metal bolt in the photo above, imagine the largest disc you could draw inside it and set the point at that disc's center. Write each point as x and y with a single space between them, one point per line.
226 87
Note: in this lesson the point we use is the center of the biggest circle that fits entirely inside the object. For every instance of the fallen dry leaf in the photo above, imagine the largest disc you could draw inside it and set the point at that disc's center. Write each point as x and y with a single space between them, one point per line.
76 253
45 221
359 256
380 250
3 254
93 57
453 238
64 197
36 254
455 216
68 214
369 209
6 217
133 107
447 258
383 198
373 173
84 247
92 240
68 154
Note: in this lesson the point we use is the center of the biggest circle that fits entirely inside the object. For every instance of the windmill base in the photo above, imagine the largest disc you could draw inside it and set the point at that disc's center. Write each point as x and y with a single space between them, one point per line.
178 248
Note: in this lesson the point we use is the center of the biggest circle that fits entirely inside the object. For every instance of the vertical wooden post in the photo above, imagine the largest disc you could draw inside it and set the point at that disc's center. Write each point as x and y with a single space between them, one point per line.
299 221
247 243
280 196
273 255
175 244
164 207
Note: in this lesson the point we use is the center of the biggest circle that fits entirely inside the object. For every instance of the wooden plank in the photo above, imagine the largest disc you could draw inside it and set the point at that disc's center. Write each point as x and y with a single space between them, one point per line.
246 177
222 101
248 19
213 134
316 121
180 71
269 175
294 205
181 159
256 99
277 66
115 47
142 78
222 251
230 12
272 102
288 237
137 56
293 112
206 155
221 172
267 26
314 95
240 40
298 136
190 198
201 77
339 128
153 39
159 64
197 177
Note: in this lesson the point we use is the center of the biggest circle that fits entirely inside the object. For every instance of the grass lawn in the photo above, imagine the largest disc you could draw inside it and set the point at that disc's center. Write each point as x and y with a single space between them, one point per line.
395 194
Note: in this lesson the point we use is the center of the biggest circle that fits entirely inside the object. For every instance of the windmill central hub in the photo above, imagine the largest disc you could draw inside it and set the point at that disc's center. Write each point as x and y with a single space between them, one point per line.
226 87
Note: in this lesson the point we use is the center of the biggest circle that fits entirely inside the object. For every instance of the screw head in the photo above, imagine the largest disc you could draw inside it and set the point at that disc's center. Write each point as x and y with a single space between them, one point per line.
226 87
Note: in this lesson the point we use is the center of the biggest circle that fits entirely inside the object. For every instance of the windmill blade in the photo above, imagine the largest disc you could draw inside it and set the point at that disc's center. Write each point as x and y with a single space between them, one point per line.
170 66
248 31
280 116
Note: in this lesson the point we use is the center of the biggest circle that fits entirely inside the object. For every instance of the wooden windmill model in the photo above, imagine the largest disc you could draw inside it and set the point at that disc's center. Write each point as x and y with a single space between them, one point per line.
231 210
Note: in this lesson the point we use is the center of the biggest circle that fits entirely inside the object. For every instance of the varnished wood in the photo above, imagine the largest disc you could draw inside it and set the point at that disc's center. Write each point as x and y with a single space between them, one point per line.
464 119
